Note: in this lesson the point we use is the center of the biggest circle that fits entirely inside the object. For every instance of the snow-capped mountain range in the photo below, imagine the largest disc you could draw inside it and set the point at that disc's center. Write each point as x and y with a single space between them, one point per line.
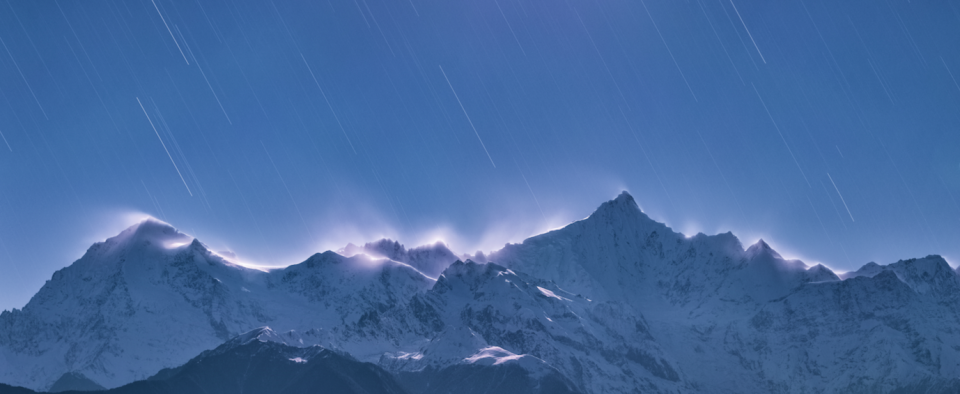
613 303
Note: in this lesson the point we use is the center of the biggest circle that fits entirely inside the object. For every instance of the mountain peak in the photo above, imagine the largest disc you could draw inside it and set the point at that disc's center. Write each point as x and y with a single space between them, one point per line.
624 196
623 207
762 245
151 226
762 248
926 274
264 335
150 236
151 231
820 273
623 201
386 247
430 259
74 381
260 334
931 265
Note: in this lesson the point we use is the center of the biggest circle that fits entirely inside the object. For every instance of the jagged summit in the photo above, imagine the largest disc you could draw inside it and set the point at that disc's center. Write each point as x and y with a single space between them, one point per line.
385 248
431 260
927 274
622 204
761 244
624 209
625 197
622 214
931 273
761 248
932 264
619 248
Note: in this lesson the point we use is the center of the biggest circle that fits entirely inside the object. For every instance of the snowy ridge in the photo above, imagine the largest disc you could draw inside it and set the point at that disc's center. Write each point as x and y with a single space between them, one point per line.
748 320
152 298
429 259
613 303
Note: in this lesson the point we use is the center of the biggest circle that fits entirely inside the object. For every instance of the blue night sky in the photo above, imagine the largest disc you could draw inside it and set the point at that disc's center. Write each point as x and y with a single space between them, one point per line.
279 129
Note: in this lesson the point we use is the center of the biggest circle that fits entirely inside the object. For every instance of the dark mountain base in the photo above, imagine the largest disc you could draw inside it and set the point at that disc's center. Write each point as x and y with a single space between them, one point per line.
74 381
259 367
478 379
267 367
8 389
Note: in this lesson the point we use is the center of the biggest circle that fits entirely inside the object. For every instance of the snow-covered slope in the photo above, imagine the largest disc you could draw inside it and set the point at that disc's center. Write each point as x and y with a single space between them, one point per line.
152 298
738 320
485 314
613 303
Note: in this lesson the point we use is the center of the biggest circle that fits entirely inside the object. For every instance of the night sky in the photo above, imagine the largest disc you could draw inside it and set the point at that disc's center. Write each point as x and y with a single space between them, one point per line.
279 129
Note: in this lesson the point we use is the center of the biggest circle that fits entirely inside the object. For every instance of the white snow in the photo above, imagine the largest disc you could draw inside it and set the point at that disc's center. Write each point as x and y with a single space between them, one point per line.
410 356
551 294
493 355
